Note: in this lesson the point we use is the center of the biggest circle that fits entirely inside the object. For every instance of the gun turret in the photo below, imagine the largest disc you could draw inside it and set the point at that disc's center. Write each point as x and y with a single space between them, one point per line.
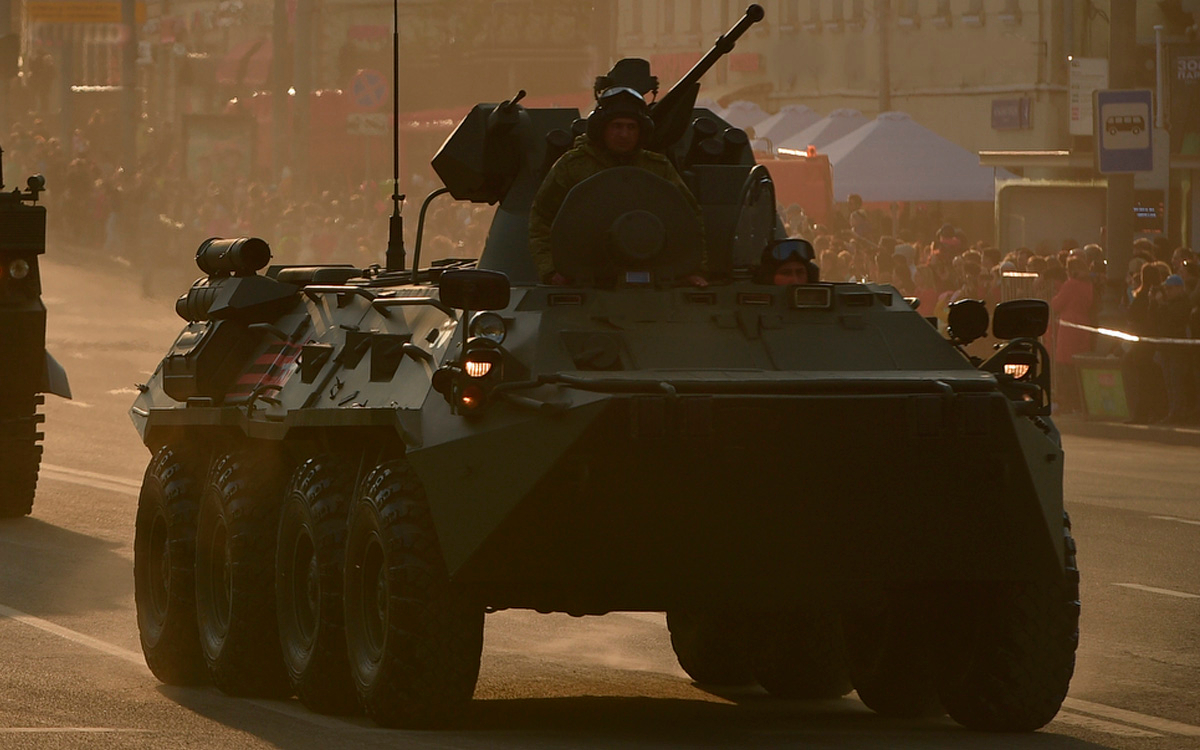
673 113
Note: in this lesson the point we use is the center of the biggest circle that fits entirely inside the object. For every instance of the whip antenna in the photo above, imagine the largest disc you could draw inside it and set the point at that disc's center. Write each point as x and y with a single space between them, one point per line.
394 260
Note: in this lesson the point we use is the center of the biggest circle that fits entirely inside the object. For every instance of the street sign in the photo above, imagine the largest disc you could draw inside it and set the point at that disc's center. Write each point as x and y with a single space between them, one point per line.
1124 122
367 123
368 90
1088 74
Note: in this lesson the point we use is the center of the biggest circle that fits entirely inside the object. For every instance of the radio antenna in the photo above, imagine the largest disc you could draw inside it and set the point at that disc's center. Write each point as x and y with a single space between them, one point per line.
394 260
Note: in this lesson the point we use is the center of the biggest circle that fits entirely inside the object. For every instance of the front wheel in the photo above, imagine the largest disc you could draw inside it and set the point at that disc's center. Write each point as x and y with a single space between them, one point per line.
20 453
1010 650
888 654
799 654
708 646
164 548
414 639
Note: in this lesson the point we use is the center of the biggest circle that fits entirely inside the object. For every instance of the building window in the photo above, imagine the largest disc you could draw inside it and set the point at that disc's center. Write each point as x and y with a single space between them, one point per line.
858 15
908 15
974 15
941 18
1012 13
813 24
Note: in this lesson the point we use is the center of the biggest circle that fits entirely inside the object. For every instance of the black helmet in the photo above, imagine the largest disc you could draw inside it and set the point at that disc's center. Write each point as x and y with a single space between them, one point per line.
620 101
633 72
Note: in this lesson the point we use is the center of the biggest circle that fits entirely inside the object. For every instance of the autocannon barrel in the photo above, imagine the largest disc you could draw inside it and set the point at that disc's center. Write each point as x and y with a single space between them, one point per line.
672 113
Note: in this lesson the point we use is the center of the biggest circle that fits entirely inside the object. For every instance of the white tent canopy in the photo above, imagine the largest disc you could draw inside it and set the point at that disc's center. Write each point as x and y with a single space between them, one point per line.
786 122
743 114
893 158
836 124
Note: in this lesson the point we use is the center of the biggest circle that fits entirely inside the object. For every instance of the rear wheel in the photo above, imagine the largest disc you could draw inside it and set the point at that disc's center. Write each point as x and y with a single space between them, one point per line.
887 649
20 453
798 654
308 584
235 584
414 639
164 547
709 647
1010 651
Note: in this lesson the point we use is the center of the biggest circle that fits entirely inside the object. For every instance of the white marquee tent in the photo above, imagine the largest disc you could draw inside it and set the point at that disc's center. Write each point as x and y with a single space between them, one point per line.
785 123
833 126
893 158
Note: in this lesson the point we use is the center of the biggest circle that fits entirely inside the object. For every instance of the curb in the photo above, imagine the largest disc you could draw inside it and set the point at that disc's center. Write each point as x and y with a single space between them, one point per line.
1085 427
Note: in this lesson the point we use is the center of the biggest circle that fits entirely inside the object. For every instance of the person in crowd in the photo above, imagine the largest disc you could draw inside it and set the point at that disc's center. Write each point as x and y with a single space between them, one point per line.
1171 321
1145 392
1072 304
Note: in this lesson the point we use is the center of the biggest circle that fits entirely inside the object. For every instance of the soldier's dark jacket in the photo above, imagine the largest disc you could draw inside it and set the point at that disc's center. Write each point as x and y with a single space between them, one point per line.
575 166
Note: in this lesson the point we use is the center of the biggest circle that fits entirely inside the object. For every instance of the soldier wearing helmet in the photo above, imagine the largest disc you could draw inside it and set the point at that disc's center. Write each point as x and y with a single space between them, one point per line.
617 131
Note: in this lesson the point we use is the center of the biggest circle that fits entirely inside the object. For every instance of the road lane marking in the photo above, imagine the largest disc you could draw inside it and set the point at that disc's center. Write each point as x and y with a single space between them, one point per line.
91 479
1132 717
134 483
1176 520
72 730
1153 590
1100 725
71 635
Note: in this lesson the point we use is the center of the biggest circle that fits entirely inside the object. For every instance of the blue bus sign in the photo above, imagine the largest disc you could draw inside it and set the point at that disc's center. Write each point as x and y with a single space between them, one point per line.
1123 126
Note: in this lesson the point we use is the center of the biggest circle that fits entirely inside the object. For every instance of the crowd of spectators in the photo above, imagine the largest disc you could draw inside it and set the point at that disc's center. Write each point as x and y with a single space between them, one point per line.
156 215
940 266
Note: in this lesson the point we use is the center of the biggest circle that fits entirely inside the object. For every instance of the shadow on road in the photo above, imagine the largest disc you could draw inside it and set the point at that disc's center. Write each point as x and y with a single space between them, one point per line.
612 722
49 570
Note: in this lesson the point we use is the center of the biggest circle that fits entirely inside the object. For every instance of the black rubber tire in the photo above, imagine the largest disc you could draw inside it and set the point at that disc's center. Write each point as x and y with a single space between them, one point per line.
887 652
799 655
236 531
414 639
164 548
709 647
20 453
1010 653
308 584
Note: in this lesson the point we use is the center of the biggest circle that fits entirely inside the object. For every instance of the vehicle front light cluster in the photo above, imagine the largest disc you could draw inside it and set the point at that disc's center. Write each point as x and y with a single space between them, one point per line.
467 386
489 326
18 269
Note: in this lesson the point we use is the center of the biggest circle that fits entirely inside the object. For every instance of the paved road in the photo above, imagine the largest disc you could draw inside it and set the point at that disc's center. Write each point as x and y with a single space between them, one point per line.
72 674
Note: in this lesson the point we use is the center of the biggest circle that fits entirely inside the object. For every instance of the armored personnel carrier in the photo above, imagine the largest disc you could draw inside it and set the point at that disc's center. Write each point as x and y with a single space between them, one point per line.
28 369
352 466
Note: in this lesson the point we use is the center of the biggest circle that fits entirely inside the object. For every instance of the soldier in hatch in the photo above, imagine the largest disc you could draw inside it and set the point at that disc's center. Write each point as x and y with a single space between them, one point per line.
616 132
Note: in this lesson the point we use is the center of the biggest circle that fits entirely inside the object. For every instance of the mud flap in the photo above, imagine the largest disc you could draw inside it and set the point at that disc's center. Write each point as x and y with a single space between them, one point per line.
54 378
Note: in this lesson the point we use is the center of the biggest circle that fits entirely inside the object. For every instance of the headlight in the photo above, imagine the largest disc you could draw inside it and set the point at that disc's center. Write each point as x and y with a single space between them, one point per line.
488 325
477 369
19 268
1017 370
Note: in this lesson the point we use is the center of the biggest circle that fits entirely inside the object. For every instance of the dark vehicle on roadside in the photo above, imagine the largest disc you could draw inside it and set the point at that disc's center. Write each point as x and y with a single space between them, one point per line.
26 369
352 466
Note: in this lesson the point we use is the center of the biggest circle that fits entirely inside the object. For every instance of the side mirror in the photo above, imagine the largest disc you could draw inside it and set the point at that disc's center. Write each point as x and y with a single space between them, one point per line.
1020 319
967 321
474 289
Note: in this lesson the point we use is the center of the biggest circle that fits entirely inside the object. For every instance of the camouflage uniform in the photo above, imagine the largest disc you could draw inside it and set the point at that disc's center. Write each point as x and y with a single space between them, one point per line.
575 166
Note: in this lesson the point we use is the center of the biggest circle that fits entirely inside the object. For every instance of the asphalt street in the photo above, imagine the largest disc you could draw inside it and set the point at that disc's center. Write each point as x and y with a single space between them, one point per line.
72 674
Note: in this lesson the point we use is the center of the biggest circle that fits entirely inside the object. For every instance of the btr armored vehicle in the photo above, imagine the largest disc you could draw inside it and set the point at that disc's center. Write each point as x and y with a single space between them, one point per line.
352 466
28 370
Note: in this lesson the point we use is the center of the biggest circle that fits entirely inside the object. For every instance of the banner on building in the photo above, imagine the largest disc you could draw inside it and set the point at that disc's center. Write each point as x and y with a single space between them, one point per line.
1183 77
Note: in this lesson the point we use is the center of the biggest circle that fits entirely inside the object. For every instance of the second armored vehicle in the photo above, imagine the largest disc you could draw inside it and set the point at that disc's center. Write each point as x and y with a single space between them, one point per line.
28 370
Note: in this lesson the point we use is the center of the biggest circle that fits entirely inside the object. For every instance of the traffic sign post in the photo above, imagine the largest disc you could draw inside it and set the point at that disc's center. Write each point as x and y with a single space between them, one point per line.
369 90
1124 122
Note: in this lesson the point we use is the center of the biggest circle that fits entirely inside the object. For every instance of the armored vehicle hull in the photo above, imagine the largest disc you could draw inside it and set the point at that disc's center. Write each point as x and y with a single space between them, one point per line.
352 466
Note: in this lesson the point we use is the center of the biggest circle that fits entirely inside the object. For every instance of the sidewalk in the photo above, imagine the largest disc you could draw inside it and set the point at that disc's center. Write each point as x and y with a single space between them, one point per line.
1097 427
